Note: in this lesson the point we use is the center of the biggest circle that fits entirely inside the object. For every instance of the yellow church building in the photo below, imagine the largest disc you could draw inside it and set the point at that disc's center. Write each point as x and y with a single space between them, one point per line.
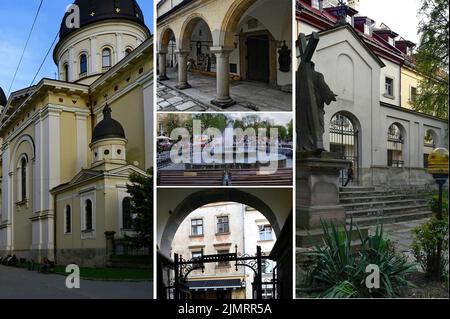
68 146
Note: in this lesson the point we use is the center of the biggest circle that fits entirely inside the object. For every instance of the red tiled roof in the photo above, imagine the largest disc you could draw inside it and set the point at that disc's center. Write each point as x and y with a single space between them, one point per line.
380 46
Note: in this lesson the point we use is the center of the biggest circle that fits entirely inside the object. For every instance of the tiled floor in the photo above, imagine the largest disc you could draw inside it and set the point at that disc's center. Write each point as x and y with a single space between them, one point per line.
249 96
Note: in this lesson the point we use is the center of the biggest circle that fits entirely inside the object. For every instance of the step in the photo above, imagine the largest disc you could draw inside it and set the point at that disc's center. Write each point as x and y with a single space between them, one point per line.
357 189
380 204
363 193
369 221
376 198
309 238
386 211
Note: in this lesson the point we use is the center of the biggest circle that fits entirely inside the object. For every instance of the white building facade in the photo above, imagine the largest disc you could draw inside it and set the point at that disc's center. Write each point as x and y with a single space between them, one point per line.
369 124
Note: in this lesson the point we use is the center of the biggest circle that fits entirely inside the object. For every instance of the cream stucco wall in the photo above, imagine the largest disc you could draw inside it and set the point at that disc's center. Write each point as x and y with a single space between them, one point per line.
409 79
117 36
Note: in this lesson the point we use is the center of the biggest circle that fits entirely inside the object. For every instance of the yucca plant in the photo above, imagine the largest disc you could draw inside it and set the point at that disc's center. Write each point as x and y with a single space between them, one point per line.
341 268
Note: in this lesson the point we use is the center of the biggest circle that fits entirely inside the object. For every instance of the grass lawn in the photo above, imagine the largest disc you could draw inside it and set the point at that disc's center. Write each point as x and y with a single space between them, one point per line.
110 273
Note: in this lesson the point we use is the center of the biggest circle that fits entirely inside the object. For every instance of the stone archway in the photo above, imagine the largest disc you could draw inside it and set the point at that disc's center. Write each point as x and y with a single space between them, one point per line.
167 40
184 46
345 140
208 196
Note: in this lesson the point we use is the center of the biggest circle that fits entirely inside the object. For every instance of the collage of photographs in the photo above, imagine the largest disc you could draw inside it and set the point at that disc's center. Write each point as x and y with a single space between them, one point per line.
224 149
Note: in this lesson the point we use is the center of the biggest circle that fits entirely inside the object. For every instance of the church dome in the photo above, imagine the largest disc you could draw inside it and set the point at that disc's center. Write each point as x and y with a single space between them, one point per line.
108 128
3 99
92 11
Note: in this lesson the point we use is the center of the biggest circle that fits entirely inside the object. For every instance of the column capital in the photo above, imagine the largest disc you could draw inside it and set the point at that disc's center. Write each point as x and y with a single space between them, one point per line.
221 50
163 51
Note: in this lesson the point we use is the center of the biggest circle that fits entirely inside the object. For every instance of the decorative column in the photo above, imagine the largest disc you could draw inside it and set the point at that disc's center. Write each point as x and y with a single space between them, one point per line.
162 54
6 216
82 140
72 65
93 55
182 70
223 99
120 51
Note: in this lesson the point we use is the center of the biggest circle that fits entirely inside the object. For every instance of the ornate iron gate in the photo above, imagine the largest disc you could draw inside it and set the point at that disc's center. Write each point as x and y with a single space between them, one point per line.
344 142
178 286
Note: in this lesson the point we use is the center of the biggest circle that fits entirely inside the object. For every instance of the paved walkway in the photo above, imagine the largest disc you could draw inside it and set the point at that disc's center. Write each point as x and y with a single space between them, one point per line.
173 100
249 96
23 284
401 234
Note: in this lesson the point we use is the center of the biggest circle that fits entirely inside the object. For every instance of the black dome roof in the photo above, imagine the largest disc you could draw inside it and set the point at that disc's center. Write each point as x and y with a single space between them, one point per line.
97 10
107 128
3 99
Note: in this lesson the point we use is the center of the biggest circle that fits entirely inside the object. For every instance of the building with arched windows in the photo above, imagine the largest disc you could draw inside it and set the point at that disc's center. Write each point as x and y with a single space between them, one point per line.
372 123
68 146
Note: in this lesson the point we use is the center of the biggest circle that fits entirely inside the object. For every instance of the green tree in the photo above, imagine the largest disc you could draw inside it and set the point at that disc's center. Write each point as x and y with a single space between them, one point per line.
141 193
290 129
218 121
432 59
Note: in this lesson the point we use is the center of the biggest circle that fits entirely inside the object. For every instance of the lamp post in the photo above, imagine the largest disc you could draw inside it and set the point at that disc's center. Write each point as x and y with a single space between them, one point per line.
438 167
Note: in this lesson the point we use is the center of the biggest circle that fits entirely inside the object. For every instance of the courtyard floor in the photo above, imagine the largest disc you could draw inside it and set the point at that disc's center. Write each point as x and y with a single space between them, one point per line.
249 96
17 283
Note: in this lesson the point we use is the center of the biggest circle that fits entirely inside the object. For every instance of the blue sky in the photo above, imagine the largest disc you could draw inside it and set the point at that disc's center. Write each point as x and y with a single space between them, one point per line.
16 18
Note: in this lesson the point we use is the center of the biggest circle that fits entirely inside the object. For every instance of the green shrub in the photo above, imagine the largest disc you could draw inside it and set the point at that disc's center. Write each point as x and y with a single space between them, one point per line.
434 205
342 270
425 247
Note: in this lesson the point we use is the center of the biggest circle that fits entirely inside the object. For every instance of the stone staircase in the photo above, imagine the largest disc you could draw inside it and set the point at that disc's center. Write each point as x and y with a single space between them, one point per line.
369 205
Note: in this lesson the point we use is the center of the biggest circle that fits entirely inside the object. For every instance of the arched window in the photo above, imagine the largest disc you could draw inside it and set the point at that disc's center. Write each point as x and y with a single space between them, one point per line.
127 218
128 51
68 220
83 64
66 72
106 58
23 178
395 146
88 215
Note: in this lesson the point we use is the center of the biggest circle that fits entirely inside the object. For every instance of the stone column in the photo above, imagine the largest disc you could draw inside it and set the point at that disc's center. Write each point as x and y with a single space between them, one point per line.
162 54
223 99
182 70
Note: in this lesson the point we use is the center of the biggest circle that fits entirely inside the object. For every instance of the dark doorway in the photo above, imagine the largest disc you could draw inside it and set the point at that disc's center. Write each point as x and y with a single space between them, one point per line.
258 58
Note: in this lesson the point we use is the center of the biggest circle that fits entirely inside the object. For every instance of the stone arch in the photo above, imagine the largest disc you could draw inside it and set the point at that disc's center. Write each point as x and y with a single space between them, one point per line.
347 141
395 145
231 21
188 27
208 196
434 135
166 35
23 139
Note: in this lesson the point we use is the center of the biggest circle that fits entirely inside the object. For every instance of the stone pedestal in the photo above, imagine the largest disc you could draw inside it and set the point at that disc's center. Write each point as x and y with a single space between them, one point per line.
317 195
223 99
182 70
162 66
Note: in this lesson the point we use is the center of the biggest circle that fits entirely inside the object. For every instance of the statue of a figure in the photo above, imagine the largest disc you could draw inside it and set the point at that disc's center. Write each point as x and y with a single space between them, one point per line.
312 95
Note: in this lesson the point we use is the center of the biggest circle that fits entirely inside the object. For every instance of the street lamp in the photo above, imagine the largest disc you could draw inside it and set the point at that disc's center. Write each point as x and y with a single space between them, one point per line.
438 167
